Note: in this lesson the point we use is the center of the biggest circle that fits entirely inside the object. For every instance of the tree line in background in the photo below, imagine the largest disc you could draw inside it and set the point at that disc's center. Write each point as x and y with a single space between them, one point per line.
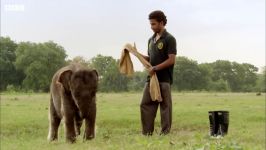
28 66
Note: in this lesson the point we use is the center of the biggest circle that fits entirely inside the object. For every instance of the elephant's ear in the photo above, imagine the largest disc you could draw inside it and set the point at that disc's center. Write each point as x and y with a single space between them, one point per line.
96 73
64 78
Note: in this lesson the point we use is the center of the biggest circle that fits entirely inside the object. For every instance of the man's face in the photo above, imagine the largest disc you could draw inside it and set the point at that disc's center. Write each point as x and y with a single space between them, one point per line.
156 26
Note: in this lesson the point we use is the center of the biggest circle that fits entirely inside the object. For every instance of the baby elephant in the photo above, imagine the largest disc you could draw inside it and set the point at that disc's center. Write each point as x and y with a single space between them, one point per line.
73 97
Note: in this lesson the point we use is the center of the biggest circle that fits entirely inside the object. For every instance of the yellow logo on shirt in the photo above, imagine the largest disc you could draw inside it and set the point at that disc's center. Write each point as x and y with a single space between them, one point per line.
160 45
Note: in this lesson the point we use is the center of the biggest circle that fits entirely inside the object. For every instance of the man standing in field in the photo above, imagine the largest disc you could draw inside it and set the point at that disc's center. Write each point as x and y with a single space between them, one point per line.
161 55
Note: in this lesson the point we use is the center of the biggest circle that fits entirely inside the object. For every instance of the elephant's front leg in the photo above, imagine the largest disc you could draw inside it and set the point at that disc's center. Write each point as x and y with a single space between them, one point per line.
70 128
90 124
69 115
78 122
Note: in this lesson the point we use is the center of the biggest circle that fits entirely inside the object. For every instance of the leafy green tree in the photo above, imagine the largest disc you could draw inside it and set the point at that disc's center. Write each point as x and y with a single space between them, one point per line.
114 80
219 85
239 77
222 69
250 77
188 76
205 76
79 60
102 64
8 72
110 77
137 81
244 77
261 81
39 61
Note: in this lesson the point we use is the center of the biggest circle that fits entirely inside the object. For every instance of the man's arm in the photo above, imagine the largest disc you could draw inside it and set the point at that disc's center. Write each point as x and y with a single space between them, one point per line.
168 62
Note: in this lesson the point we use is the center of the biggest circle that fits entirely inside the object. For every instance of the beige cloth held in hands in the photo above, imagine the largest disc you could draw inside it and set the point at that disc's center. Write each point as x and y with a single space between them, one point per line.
126 67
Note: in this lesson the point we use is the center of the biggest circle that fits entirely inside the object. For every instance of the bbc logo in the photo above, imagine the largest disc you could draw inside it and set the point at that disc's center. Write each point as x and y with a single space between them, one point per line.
14 7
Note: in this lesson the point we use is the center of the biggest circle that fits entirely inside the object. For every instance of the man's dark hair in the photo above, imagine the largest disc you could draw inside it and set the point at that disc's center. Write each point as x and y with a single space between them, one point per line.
158 16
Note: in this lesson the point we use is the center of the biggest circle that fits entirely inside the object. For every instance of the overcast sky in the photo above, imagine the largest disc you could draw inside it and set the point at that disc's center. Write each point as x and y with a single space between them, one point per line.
205 30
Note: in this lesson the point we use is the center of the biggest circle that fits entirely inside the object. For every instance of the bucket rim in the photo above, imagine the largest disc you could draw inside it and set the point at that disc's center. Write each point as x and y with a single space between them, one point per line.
222 111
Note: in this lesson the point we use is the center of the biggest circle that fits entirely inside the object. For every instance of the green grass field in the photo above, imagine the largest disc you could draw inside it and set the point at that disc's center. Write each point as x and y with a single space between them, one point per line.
24 123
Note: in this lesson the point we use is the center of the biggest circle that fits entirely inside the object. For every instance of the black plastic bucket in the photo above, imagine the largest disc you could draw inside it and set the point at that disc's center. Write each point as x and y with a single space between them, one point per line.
219 122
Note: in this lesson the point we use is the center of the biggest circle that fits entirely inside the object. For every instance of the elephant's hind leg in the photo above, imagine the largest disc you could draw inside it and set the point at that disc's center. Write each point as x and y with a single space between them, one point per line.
54 122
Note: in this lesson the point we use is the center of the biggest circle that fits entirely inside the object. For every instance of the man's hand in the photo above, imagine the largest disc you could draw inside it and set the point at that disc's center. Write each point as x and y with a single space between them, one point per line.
151 71
135 47
136 50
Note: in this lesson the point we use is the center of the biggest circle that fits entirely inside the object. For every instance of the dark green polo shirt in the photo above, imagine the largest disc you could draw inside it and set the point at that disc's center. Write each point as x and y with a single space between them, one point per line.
158 52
